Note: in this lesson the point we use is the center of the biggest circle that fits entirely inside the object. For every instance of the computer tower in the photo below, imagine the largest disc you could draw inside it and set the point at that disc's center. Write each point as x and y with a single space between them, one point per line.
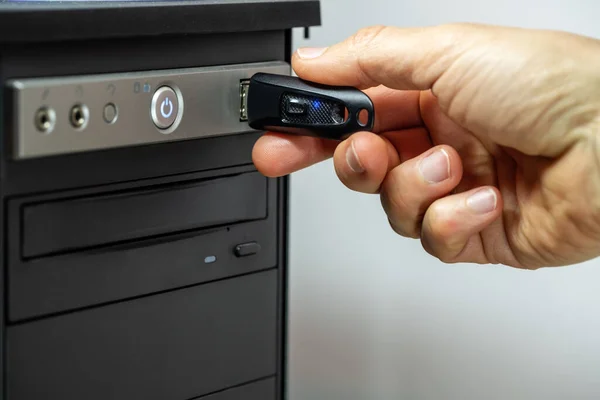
143 256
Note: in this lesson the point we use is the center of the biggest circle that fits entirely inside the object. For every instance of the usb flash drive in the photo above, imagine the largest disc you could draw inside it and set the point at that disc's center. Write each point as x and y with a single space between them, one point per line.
286 104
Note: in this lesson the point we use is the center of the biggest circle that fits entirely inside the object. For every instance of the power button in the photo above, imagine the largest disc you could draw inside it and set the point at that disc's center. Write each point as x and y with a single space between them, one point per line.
165 107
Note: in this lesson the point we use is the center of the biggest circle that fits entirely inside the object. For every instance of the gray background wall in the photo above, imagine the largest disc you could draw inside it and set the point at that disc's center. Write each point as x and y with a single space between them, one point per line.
374 317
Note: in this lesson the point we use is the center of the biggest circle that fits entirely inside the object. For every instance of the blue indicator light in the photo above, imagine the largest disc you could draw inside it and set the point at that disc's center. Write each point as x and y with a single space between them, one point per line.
316 104
210 259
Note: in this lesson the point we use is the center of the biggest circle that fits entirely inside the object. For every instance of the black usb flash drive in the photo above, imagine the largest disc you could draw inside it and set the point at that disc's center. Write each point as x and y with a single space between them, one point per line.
286 104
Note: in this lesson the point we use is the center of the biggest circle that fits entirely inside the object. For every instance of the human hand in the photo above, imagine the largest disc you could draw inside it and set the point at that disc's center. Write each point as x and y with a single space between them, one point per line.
485 144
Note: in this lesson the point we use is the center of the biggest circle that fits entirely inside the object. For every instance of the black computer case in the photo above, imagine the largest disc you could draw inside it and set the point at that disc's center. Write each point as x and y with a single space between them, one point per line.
142 264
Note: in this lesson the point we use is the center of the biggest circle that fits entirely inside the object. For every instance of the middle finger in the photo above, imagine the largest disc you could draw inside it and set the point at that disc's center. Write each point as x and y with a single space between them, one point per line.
363 161
410 188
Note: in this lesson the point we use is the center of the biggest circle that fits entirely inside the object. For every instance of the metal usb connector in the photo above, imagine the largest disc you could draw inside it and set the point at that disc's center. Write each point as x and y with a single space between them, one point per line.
244 86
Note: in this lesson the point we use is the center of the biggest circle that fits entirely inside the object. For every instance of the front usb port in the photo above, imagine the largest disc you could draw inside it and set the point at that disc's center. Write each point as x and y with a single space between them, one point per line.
244 86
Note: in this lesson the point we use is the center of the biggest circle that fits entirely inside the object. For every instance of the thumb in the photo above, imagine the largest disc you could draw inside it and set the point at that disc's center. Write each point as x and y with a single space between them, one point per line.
399 58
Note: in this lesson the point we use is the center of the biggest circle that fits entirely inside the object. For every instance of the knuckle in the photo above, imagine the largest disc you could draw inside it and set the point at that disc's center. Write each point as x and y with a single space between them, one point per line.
391 211
403 221
438 233
455 29
366 36
360 42
400 230
436 250
426 244
447 260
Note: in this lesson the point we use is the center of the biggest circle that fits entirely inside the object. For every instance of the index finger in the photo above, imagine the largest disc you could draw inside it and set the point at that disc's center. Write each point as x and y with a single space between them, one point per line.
277 154
399 58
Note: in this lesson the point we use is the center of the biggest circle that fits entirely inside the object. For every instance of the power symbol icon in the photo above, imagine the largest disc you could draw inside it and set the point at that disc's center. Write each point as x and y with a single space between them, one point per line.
165 107
167 104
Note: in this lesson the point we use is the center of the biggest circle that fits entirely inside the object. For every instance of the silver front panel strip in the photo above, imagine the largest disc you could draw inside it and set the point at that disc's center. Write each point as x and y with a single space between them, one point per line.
64 115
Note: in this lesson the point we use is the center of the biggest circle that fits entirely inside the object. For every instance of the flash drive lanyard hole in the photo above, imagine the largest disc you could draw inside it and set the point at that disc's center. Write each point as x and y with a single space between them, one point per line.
362 116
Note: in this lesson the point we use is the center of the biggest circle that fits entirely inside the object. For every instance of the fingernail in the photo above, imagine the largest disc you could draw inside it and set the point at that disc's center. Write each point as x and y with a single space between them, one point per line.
435 168
352 159
483 201
310 52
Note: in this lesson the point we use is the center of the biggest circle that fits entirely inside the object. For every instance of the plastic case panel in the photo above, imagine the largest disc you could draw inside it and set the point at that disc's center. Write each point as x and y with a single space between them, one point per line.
179 345
261 390
213 216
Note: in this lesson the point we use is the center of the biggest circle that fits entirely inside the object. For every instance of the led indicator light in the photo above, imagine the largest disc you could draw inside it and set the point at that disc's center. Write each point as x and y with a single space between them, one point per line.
210 259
